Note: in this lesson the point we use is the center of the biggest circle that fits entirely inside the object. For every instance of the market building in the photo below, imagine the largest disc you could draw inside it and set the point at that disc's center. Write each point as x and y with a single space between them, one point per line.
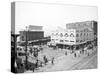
63 36
75 34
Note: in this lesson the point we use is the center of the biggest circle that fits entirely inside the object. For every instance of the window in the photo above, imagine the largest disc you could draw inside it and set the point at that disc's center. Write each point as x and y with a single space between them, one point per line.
81 34
66 40
61 35
71 35
87 34
71 41
61 40
77 35
56 34
66 35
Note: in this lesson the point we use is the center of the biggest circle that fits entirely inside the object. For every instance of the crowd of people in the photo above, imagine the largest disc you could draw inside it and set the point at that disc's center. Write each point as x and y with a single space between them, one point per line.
34 53
33 63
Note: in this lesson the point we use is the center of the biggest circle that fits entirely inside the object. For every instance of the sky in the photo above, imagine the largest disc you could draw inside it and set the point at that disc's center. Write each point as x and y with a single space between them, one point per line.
51 16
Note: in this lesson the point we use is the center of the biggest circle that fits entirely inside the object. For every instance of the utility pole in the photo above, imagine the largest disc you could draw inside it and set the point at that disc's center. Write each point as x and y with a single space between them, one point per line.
26 66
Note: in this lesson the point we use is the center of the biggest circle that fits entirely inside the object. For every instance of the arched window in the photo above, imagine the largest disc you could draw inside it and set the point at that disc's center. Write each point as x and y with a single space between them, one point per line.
71 35
66 35
77 35
61 35
56 34
87 34
81 34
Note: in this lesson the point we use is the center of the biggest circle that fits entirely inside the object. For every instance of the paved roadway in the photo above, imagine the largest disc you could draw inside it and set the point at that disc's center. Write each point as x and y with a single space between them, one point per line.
89 62
69 62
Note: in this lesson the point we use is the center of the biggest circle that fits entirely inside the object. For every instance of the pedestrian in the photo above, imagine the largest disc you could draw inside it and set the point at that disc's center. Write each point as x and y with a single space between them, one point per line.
66 53
36 65
52 61
74 54
82 51
88 53
45 60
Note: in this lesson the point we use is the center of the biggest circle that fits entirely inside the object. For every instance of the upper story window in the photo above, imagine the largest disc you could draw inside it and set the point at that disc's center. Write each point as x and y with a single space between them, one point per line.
77 35
71 41
77 40
66 35
61 34
66 40
87 34
71 35
81 34
56 34
84 34
61 40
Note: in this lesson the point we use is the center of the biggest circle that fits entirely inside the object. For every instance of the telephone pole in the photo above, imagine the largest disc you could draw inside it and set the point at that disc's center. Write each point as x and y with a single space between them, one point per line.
26 63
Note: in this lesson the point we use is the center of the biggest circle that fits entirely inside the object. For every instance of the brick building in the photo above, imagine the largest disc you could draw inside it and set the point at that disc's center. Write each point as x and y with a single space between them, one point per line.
33 33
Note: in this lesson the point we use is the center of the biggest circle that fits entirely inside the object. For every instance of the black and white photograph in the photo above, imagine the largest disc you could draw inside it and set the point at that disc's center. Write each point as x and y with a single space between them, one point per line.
48 37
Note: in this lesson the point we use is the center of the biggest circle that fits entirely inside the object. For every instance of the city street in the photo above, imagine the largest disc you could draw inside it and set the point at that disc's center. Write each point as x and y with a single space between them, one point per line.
89 62
69 62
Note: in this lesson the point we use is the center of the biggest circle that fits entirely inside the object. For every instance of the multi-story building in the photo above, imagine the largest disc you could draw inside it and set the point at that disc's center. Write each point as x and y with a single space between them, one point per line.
63 36
74 34
33 33
84 31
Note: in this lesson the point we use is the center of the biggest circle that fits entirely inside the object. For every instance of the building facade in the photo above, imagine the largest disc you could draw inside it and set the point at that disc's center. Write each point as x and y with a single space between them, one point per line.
74 34
33 33
63 37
